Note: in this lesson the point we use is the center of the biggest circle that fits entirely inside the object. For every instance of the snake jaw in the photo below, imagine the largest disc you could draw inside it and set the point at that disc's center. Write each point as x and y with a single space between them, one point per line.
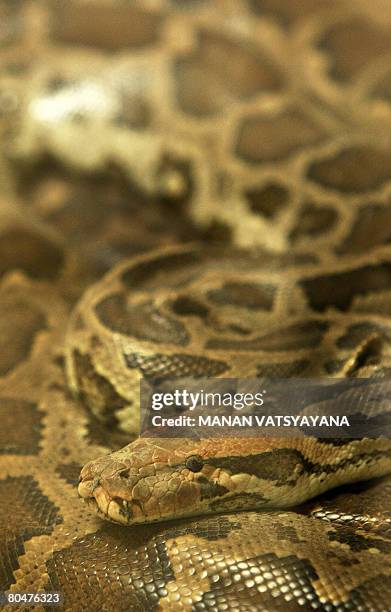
112 507
101 486
96 496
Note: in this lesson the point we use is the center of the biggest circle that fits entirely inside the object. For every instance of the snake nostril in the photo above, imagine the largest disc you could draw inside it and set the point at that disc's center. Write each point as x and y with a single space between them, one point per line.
124 473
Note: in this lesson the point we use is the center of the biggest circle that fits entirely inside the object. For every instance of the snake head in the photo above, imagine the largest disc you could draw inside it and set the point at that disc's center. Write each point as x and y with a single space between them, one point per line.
147 481
160 479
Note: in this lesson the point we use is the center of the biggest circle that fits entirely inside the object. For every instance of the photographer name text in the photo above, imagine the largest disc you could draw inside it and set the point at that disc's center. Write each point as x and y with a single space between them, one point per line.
250 421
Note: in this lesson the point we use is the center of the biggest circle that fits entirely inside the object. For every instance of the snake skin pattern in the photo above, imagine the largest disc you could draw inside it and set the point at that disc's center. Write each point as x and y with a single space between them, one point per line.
133 126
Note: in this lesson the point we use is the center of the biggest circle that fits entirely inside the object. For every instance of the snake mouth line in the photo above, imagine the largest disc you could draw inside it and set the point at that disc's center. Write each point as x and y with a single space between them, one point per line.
110 510
92 504
118 510
115 509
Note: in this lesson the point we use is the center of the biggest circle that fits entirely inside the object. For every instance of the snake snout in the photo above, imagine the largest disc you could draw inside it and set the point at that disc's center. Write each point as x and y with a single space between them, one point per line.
107 484
115 493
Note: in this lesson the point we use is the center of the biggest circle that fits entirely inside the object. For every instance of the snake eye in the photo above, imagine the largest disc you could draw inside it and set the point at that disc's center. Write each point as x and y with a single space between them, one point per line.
194 463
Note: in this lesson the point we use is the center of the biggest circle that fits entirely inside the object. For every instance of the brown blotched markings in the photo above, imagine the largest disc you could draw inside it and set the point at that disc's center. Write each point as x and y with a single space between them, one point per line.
142 321
265 139
86 570
147 568
147 565
101 219
135 113
287 14
138 561
17 313
295 578
12 14
371 228
340 289
172 269
345 534
368 350
247 295
31 251
206 78
287 468
25 512
97 25
313 221
184 305
211 529
352 44
301 335
283 370
21 429
355 506
176 365
238 501
353 170
70 472
96 391
284 466
288 570
333 366
357 332
209 489
268 200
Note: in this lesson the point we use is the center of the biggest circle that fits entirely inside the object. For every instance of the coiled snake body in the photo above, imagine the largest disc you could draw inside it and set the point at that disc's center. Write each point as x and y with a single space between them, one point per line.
130 127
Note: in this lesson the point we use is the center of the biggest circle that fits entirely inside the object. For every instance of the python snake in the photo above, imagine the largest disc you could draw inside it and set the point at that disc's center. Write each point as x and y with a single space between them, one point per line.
260 130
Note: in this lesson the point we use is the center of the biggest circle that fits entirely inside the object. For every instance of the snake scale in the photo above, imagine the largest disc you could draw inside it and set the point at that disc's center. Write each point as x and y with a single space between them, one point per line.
196 188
